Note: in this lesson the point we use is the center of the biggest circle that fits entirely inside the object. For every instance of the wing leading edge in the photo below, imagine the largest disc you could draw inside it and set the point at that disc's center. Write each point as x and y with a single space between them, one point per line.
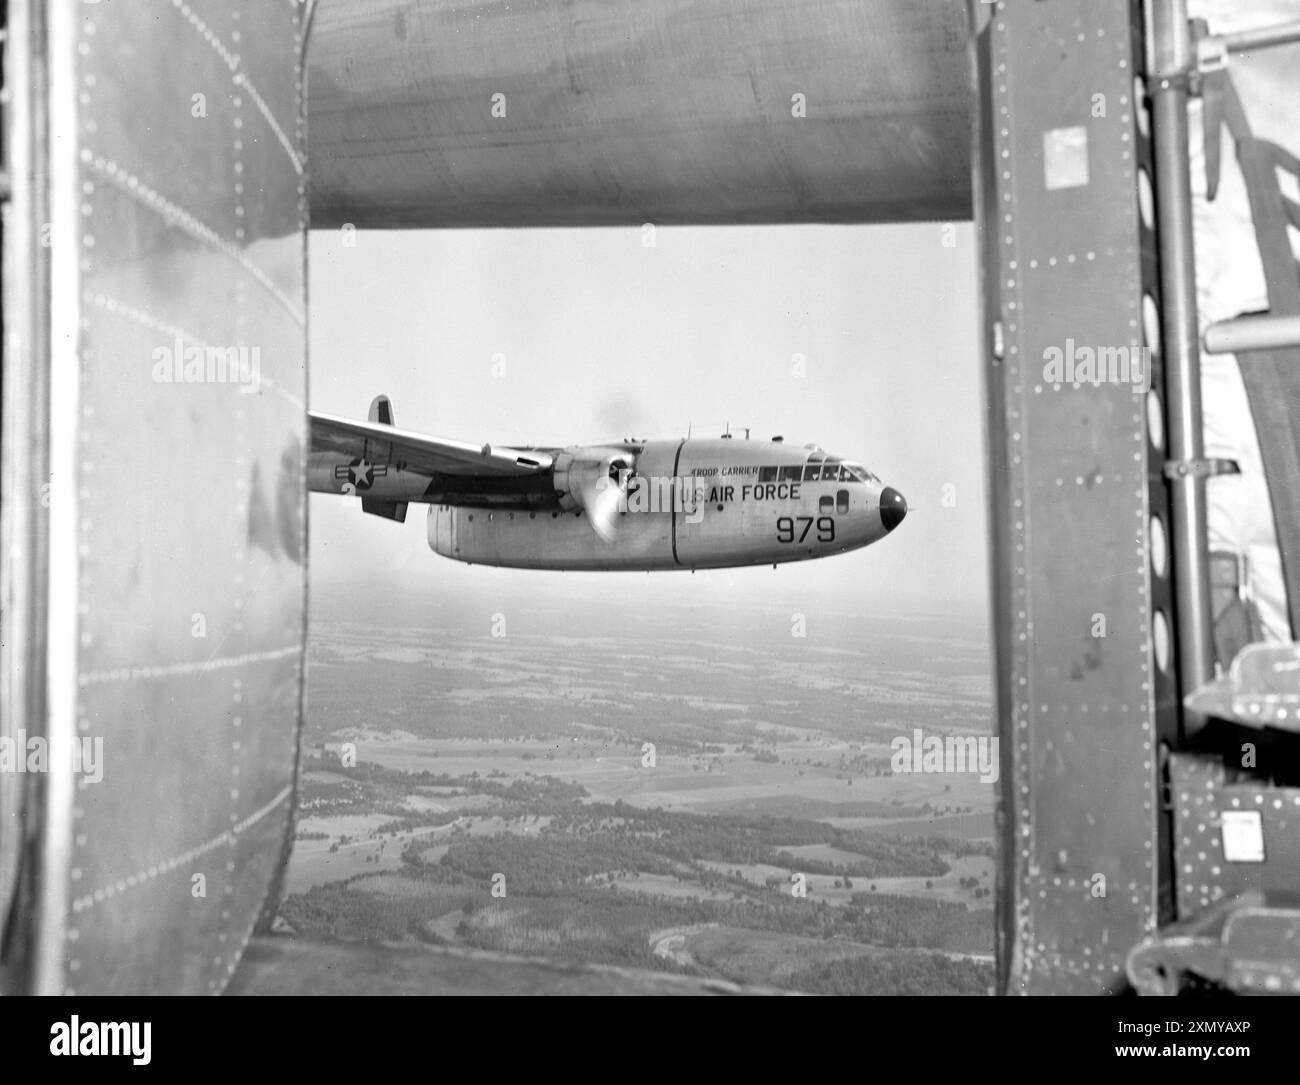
376 442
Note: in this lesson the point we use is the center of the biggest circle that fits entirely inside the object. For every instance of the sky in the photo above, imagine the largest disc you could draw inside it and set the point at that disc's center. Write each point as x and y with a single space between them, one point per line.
863 339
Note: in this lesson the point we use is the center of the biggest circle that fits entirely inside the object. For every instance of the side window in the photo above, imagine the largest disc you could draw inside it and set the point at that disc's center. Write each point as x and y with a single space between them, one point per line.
767 474
842 501
826 503
812 472
791 474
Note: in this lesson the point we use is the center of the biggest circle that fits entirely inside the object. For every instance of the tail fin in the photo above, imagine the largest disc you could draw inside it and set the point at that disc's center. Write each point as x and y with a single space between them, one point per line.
381 411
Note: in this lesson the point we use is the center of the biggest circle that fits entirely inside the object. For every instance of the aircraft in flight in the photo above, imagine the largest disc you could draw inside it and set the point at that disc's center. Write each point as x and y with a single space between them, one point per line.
626 505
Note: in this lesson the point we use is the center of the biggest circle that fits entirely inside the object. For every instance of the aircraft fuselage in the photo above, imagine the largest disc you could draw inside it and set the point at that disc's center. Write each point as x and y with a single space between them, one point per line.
693 504
685 504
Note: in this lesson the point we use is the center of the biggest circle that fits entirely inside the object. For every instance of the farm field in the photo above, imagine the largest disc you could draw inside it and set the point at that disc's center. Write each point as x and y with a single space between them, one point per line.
672 799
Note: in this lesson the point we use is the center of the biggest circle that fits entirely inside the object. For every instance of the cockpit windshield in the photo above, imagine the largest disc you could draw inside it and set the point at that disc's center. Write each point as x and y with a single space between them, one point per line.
858 473
819 468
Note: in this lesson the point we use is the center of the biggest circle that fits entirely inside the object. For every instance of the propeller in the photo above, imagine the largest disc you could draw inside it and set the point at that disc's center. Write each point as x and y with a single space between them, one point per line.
605 500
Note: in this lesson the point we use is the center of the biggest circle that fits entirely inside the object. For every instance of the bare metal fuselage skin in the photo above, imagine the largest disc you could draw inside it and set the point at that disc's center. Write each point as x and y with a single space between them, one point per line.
690 504
584 113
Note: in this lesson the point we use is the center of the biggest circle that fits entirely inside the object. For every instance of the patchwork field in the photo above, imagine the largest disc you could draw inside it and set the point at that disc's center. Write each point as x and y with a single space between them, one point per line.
705 800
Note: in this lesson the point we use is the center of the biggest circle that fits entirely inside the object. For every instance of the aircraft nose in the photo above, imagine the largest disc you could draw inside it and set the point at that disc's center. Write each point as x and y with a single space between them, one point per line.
893 507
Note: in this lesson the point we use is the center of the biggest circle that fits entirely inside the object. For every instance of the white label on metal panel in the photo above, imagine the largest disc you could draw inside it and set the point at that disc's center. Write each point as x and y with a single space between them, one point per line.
1243 836
1065 157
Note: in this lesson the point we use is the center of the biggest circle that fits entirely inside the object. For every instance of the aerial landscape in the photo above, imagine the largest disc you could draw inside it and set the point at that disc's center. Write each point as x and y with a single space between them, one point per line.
707 790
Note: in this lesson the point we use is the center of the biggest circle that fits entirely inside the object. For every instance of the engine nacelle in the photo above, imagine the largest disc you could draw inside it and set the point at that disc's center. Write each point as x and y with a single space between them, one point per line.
579 470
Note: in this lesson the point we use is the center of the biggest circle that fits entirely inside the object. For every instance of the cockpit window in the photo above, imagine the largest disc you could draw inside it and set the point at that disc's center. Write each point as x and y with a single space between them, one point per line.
858 473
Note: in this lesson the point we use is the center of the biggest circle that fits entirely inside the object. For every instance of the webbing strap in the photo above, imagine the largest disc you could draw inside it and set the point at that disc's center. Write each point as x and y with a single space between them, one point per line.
1272 377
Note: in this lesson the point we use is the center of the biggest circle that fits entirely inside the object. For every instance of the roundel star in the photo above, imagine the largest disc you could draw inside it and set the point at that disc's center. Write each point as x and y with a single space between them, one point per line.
361 474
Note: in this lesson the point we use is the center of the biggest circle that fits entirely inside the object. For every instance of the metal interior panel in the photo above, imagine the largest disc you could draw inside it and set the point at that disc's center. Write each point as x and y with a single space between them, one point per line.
1208 871
1074 480
178 595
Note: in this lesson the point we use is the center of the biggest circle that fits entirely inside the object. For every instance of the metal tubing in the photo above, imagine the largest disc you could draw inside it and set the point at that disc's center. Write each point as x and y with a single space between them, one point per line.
1249 333
1247 41
1173 60
24 478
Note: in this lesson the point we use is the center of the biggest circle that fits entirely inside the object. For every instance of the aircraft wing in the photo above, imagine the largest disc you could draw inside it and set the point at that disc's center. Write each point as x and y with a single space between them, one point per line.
379 442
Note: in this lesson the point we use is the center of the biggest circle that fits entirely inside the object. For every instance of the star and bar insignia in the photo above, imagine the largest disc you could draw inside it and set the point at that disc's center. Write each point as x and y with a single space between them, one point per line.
361 473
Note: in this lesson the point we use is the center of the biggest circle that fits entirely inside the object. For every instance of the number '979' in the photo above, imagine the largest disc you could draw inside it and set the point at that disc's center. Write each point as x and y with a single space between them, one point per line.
788 531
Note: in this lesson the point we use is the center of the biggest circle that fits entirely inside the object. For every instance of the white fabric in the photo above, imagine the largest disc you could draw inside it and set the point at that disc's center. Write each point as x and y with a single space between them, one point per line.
1230 281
